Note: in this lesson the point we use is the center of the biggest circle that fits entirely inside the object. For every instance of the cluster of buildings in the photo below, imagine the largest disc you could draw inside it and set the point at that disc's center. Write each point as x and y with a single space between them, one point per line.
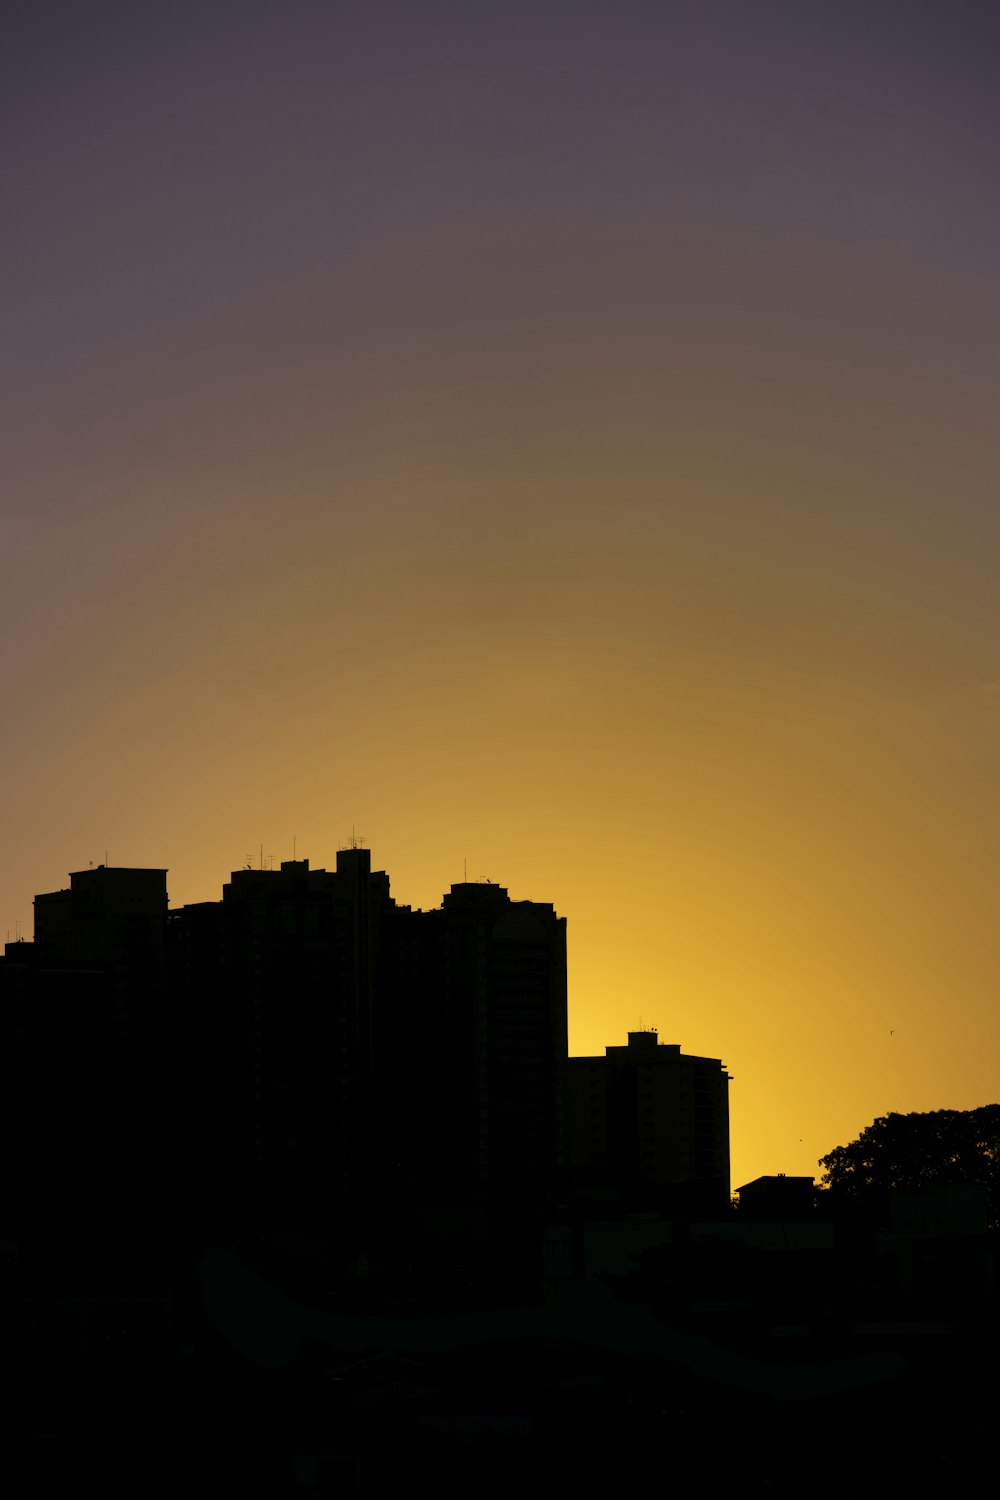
306 1132
305 1052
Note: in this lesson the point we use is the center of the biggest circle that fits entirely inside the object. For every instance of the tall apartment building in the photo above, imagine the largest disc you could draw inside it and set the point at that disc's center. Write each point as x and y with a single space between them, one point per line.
478 1060
81 1016
273 993
349 1057
301 1055
649 1125
111 916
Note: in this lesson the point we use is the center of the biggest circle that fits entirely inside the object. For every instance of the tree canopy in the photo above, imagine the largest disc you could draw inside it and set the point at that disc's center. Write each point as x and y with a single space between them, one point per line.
916 1151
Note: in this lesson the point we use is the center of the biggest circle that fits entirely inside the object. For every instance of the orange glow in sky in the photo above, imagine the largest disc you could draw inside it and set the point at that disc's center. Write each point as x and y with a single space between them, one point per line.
565 449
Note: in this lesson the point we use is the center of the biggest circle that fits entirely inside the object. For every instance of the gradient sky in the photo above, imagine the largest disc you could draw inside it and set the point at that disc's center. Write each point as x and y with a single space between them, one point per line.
557 436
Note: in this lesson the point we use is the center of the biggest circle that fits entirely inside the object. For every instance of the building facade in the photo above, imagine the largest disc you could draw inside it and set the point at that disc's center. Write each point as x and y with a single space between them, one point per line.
479 1016
85 1106
350 1059
649 1126
274 1011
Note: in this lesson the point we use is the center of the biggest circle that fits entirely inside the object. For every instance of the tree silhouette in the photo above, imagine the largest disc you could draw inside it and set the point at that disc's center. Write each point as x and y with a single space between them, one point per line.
918 1151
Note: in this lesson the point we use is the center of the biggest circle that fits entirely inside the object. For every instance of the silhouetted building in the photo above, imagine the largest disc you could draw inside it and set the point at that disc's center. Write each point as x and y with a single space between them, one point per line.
81 1012
274 989
649 1125
352 1059
111 916
777 1198
479 1018
302 1056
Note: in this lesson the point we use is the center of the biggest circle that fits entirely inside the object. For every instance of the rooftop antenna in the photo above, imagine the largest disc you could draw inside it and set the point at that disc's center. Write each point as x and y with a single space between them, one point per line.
293 848
465 871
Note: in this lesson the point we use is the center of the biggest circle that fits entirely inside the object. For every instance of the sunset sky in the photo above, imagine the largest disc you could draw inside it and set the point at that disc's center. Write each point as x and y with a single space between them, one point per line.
557 436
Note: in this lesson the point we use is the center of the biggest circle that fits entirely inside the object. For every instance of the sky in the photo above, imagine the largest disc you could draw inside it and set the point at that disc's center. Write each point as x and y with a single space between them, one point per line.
550 440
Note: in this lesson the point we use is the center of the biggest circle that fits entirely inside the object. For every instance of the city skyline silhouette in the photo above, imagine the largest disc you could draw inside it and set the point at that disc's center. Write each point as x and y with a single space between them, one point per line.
310 1148
556 444
307 1009
562 442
